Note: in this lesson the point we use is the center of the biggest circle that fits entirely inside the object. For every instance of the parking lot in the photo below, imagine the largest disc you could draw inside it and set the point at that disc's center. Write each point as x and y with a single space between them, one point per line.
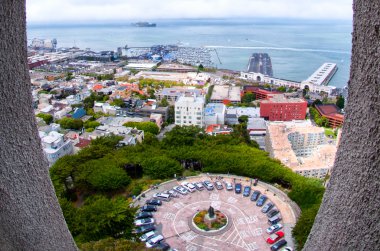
249 224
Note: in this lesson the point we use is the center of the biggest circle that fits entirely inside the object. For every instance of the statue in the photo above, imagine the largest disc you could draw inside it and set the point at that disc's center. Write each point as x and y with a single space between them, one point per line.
211 212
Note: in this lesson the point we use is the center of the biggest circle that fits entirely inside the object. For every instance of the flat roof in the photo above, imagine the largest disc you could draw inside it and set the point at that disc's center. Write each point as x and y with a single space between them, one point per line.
323 74
282 98
329 110
226 92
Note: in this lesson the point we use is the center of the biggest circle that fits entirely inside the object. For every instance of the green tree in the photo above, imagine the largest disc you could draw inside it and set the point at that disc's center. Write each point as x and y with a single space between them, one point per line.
70 123
91 124
340 102
101 217
48 118
101 175
248 97
161 167
145 126
243 119
281 89
164 102
111 244
118 102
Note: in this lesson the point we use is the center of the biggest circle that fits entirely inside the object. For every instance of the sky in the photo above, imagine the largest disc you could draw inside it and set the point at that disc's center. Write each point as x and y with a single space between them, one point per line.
61 11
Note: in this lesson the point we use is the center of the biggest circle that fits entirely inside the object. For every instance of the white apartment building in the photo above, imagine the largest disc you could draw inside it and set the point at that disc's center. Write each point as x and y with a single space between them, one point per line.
189 110
214 114
54 146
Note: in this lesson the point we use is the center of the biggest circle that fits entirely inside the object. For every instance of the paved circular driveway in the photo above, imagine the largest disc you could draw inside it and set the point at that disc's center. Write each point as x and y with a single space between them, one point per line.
249 224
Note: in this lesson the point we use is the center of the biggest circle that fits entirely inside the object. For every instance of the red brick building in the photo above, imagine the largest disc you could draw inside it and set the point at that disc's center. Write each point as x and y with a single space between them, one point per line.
260 93
331 112
280 107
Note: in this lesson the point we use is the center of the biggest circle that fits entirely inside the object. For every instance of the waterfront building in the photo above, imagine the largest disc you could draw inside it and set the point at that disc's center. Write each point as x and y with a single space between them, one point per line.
332 113
323 75
281 107
320 80
225 94
214 114
189 111
301 146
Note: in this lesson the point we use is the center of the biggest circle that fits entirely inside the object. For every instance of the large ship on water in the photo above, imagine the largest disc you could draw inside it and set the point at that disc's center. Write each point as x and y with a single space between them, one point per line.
144 24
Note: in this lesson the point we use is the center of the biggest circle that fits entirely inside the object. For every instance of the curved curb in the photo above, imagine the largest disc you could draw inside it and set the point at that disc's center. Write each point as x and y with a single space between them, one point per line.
208 233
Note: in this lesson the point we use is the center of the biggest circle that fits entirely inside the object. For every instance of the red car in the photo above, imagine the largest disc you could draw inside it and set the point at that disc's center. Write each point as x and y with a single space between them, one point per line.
275 237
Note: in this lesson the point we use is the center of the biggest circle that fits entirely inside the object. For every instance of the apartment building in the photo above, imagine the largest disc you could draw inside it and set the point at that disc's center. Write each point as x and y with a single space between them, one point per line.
189 111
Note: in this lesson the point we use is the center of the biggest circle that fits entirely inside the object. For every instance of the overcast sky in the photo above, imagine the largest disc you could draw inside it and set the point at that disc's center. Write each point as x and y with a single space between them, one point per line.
41 11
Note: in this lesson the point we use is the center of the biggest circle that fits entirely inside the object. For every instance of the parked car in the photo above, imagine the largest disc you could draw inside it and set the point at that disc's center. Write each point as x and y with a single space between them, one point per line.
154 202
190 187
181 190
287 249
162 196
267 207
148 208
272 212
173 193
143 215
229 186
247 191
154 241
255 182
278 245
275 237
274 228
147 236
145 221
260 202
199 186
255 195
237 188
274 220
145 229
209 186
162 246
218 185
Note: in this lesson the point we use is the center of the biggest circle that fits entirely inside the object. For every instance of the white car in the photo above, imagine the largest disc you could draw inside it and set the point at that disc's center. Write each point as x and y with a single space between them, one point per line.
189 186
274 228
172 193
143 222
181 190
154 241
199 186
147 236
229 186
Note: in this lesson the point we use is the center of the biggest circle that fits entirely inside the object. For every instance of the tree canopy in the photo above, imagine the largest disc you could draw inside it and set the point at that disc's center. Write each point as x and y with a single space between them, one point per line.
48 118
70 123
145 126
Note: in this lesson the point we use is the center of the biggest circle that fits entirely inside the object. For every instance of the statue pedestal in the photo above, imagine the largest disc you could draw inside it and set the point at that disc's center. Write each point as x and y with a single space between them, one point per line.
209 220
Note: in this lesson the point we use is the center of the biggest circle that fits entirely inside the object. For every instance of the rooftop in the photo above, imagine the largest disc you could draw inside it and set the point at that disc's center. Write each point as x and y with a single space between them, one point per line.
213 108
329 110
226 92
323 74
322 157
282 98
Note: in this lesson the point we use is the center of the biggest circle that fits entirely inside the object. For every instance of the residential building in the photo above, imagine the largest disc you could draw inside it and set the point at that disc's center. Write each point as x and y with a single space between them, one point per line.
233 114
332 113
55 146
189 111
225 94
214 130
157 119
172 94
214 114
302 147
280 107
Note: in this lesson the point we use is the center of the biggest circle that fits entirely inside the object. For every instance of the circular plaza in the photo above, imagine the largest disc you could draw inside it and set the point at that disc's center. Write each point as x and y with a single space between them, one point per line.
184 220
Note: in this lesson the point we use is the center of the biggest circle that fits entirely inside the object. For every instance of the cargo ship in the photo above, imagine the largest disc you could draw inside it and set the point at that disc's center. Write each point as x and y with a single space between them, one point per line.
144 24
